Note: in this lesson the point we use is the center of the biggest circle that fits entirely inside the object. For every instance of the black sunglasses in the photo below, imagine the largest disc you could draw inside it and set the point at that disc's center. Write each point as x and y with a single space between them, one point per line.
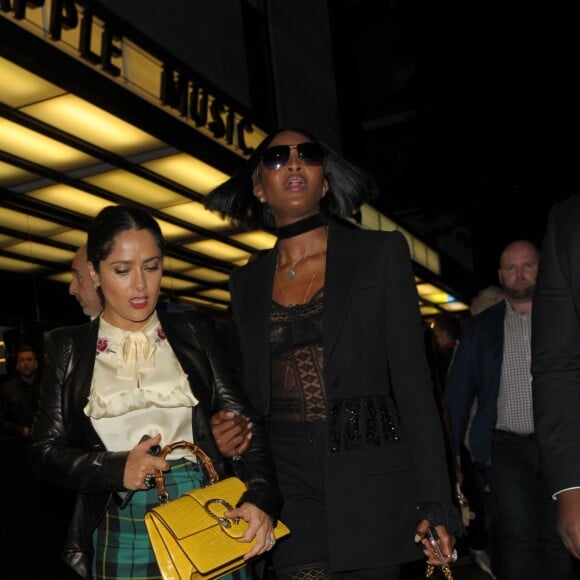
308 153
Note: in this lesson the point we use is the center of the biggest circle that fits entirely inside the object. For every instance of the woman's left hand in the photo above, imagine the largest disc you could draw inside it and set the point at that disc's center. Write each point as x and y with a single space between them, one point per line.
442 543
260 528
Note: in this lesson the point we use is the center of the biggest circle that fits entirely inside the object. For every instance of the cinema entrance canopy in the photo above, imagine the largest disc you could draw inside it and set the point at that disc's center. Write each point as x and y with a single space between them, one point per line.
90 116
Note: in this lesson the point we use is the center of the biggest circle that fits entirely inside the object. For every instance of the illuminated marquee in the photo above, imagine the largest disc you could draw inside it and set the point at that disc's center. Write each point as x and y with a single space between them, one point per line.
78 31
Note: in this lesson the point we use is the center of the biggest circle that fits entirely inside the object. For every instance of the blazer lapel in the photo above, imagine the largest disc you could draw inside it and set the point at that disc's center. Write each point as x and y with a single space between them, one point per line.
255 287
343 263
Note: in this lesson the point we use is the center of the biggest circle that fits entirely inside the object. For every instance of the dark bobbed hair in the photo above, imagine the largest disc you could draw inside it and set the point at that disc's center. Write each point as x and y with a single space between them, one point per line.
349 187
113 220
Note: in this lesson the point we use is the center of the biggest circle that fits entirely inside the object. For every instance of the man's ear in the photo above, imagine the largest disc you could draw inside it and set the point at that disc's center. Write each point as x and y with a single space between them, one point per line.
94 276
325 186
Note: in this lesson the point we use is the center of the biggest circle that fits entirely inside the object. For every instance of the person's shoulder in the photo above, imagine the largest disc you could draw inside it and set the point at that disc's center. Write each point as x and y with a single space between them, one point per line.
369 235
253 266
62 333
567 207
490 314
8 385
198 320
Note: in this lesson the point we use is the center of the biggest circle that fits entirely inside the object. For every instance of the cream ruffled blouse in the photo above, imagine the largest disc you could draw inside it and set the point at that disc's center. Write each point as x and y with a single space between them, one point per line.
138 388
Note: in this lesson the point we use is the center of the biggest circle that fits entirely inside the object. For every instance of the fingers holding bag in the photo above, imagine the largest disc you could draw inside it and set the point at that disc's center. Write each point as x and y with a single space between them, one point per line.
194 536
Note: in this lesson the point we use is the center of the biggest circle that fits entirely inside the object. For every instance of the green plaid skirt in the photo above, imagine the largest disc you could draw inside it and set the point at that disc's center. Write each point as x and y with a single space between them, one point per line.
121 543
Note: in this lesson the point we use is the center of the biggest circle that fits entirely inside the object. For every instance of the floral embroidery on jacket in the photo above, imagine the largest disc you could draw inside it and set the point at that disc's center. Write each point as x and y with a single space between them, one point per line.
102 345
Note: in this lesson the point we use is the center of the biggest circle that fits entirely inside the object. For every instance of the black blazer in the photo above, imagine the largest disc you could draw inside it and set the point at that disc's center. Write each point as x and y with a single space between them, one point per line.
556 347
67 450
373 351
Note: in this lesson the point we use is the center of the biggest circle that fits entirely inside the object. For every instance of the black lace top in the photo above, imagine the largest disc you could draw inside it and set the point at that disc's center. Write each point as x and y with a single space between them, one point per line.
296 362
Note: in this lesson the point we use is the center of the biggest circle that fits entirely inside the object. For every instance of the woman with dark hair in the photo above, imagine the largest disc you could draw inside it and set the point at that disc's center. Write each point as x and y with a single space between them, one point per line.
333 359
116 388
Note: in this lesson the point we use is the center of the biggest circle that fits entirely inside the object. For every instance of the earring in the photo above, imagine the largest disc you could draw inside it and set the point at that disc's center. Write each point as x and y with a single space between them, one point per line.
95 285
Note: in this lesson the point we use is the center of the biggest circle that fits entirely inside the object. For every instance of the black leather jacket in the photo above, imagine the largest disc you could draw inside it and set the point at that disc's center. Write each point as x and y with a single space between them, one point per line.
67 450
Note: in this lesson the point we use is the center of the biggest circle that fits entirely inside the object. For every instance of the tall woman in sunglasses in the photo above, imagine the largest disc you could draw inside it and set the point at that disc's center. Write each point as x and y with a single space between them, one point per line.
333 357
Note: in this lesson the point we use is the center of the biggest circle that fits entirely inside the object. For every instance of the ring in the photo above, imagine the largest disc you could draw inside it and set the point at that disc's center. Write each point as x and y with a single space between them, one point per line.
149 480
454 556
271 542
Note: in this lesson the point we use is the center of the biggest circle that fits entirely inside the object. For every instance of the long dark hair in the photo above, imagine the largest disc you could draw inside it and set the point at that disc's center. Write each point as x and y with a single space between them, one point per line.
112 221
349 188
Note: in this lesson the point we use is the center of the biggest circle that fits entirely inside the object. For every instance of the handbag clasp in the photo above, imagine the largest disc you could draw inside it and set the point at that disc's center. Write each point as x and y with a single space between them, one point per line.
223 521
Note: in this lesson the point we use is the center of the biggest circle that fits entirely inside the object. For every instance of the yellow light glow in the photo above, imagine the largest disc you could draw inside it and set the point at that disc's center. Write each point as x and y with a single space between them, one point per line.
258 239
456 306
72 198
216 294
73 237
35 147
79 117
175 284
37 251
11 175
20 87
439 297
29 224
218 250
189 171
207 275
135 188
196 214
172 232
6 239
194 302
426 289
18 266
64 277
171 264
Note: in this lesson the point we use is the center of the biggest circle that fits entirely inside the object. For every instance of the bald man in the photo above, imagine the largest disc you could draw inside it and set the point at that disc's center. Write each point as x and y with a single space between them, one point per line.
82 287
492 365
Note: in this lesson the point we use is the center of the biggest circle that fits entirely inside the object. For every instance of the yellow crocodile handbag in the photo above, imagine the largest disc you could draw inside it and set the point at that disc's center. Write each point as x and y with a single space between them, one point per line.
190 536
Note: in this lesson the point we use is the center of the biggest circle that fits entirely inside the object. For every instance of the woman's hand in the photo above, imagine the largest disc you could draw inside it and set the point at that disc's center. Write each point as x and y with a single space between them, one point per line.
442 543
141 463
232 432
260 528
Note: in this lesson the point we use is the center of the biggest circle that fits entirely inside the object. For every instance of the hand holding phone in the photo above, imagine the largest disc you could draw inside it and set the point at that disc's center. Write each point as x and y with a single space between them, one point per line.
433 537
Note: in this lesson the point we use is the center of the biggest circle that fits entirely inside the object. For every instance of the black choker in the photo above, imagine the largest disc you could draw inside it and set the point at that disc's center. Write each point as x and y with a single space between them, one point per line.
304 225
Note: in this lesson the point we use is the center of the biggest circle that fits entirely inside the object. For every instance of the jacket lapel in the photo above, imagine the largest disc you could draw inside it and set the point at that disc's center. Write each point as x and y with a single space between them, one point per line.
343 263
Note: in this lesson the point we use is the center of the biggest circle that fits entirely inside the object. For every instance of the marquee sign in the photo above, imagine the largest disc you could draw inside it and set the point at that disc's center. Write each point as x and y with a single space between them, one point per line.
77 30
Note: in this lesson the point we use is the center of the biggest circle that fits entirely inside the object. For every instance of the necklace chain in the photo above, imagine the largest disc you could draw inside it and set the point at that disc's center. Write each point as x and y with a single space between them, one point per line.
292 270
292 273
305 294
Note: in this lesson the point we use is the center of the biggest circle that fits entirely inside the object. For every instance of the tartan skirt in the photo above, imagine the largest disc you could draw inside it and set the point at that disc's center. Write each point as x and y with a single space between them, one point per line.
121 543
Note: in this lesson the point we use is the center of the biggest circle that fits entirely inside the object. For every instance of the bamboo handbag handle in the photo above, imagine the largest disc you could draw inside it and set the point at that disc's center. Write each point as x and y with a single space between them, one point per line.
204 458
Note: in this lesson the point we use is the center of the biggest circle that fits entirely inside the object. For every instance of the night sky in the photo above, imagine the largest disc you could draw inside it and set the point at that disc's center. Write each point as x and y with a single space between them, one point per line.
495 139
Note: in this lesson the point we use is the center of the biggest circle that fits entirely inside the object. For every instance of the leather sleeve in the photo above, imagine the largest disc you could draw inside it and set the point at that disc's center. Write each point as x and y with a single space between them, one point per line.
257 469
61 450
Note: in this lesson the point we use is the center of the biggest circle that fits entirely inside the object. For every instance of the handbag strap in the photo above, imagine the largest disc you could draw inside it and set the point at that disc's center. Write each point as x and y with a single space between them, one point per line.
202 456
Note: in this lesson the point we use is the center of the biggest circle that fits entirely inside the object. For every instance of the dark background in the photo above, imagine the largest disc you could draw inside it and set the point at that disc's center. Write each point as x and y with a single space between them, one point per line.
469 117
